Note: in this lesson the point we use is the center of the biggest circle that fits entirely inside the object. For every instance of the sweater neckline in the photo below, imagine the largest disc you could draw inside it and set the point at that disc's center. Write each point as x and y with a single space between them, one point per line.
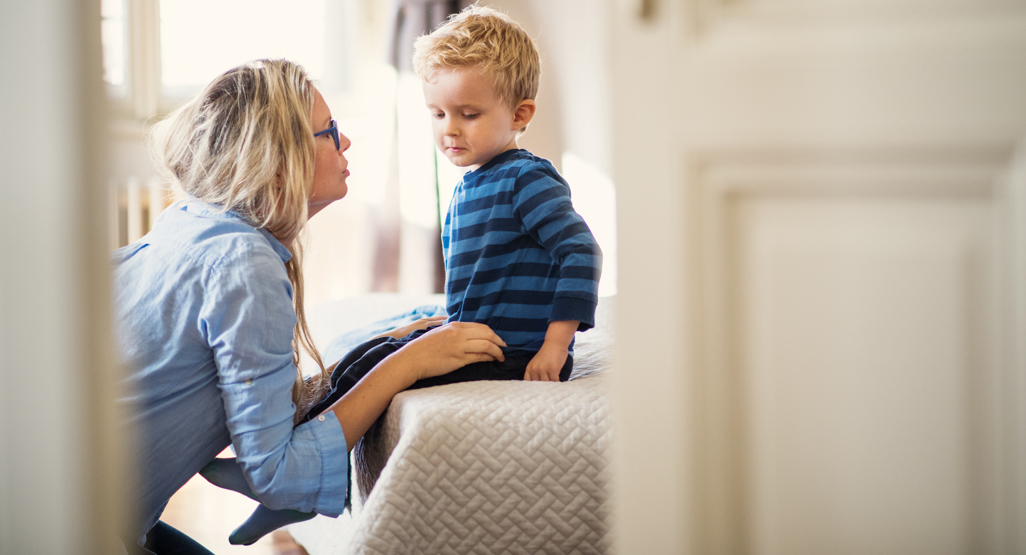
498 159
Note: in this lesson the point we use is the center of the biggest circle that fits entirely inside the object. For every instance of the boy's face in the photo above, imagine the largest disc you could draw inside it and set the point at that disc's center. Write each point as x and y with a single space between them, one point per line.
471 124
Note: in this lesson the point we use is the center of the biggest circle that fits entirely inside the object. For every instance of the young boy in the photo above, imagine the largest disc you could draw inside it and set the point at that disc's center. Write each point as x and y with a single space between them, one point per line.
518 257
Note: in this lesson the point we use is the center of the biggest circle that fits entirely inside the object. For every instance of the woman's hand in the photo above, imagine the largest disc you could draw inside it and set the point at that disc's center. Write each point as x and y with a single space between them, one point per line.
423 323
451 346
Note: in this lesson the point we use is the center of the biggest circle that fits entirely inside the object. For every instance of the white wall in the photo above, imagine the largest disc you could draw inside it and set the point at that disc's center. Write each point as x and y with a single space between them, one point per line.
573 104
58 470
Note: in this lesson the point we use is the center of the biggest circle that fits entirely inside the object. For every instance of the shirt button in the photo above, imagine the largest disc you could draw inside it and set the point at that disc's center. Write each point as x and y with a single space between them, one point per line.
320 418
249 382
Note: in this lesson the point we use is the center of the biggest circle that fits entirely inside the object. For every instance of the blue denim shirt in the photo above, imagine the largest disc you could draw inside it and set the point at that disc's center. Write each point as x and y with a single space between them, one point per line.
204 316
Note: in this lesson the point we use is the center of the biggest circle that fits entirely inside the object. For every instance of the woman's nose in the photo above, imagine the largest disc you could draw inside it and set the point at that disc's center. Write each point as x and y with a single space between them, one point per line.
343 143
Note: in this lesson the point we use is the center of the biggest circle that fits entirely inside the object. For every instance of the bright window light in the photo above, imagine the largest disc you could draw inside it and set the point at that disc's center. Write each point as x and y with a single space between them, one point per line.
594 198
112 33
200 39
418 196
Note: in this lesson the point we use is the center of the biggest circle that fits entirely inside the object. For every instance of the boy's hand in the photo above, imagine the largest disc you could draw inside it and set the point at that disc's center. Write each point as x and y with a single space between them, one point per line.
546 364
549 360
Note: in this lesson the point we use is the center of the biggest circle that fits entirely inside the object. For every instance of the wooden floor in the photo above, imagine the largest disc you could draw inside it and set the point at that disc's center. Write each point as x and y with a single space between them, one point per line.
283 544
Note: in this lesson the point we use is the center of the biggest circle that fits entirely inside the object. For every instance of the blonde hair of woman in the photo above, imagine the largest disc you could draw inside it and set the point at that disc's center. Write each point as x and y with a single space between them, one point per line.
246 145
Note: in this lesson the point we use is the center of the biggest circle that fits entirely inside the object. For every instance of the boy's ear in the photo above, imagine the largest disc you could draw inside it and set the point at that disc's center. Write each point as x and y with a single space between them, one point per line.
523 113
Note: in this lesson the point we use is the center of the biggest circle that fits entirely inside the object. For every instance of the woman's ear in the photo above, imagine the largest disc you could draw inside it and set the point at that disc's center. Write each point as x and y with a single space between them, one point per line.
523 113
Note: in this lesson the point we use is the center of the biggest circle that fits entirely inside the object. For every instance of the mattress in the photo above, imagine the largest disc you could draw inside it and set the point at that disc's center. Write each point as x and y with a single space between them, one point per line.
476 467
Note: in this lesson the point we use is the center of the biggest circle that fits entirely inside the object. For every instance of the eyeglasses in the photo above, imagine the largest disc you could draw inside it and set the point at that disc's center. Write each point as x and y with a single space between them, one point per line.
333 130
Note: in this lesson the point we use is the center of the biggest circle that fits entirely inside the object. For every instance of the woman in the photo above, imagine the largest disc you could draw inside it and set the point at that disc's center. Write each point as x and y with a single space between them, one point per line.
209 306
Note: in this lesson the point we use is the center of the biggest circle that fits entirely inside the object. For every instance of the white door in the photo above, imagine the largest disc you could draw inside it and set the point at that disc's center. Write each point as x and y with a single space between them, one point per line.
822 334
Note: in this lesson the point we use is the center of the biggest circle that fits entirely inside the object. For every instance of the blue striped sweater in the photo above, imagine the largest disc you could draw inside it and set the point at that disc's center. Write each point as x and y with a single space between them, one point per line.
517 255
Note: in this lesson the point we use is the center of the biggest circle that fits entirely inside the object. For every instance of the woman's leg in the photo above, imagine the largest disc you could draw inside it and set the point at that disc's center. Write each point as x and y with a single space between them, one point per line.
264 520
226 473
164 539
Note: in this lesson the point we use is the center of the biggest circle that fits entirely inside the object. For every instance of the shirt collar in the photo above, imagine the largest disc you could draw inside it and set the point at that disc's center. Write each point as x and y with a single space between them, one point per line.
192 205
279 248
496 160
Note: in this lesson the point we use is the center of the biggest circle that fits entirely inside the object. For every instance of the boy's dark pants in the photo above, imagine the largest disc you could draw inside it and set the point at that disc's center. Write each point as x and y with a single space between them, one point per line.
359 361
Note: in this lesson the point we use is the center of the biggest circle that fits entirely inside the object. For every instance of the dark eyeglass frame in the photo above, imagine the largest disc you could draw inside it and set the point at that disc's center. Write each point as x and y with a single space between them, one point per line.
333 130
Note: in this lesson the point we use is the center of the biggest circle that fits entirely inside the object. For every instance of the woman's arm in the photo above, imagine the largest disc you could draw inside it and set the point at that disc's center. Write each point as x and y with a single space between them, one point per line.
439 351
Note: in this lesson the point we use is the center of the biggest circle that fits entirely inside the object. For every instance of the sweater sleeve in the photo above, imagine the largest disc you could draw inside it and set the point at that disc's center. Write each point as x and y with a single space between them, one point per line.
542 204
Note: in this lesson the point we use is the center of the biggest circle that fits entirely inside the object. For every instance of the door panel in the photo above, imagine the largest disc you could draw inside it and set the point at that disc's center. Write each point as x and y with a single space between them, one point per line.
839 251
854 362
848 363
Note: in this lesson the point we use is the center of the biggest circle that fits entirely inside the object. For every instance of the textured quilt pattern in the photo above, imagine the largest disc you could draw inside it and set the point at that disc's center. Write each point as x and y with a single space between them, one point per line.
478 467
487 467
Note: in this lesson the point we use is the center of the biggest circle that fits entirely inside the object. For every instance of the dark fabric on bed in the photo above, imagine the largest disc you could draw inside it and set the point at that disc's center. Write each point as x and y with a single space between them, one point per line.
359 361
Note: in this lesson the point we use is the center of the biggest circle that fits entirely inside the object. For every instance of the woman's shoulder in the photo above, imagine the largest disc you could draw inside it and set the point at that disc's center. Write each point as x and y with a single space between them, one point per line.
213 239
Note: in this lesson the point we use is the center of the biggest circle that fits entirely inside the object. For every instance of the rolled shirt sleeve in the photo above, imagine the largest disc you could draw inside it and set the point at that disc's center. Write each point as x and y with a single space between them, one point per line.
250 328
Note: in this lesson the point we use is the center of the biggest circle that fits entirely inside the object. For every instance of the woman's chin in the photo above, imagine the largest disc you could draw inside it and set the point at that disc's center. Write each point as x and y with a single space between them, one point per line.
315 206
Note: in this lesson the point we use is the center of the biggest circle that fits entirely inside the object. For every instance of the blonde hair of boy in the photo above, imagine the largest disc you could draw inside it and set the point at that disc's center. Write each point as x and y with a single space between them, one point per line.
489 40
246 144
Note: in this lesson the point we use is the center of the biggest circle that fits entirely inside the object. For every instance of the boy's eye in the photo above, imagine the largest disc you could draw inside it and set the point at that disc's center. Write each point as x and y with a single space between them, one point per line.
470 116
438 115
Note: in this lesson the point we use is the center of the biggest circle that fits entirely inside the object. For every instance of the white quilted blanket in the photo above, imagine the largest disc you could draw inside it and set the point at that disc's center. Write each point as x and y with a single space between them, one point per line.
483 467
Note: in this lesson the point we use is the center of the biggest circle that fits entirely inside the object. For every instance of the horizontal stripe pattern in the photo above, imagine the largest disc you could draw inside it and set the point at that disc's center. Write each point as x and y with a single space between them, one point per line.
517 254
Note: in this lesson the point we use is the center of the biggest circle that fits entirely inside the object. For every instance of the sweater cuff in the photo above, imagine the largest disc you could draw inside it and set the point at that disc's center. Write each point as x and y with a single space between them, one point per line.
574 308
